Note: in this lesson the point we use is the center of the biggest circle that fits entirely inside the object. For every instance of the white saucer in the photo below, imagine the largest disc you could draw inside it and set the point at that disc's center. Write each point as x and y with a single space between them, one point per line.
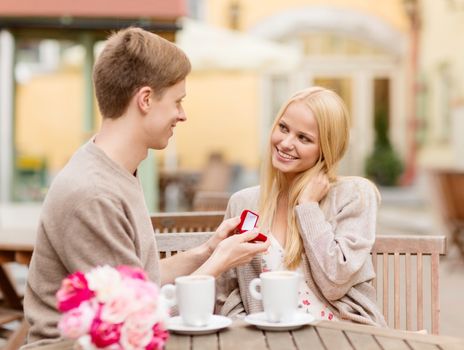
217 322
259 320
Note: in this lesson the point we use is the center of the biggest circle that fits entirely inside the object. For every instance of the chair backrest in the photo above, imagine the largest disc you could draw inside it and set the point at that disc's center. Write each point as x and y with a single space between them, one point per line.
172 243
413 263
186 221
407 269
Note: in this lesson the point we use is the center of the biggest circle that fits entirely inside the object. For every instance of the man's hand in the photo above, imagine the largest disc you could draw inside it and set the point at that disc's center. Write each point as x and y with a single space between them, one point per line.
233 251
225 229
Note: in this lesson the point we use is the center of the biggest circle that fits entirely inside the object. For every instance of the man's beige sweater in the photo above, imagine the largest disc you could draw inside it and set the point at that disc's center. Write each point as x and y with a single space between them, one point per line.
337 235
94 214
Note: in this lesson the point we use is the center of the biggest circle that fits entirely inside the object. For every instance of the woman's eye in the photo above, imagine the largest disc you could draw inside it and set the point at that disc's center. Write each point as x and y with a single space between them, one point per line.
282 127
304 139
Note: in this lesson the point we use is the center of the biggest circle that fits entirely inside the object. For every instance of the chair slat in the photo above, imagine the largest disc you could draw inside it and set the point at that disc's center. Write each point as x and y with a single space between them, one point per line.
435 293
397 290
420 292
374 263
408 292
385 286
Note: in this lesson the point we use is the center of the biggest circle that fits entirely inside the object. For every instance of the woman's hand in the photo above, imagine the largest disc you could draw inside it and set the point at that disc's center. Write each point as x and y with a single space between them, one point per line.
225 229
316 189
233 251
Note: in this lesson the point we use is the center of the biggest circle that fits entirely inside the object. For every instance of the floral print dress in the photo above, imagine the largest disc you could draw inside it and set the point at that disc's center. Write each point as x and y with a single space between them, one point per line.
273 260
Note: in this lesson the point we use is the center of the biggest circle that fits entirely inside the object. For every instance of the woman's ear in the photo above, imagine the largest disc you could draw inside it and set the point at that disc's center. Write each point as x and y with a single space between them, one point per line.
144 98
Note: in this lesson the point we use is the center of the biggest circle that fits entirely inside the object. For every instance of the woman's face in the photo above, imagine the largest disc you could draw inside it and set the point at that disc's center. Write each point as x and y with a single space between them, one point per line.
295 140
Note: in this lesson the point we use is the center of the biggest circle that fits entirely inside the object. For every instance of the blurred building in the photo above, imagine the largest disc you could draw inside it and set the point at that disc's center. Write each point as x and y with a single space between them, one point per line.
387 58
47 107
360 49
440 85
397 59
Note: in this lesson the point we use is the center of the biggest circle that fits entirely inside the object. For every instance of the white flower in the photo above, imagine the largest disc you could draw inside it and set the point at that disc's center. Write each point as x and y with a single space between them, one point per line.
105 281
85 343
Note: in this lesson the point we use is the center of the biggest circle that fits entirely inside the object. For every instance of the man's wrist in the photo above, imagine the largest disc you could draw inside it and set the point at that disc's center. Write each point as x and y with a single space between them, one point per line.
210 267
201 253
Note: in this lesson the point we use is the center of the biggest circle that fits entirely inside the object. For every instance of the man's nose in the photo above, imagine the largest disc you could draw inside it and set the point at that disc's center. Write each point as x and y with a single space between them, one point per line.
182 117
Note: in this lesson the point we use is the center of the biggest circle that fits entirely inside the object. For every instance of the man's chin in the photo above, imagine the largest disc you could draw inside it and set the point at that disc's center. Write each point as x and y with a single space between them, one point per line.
160 145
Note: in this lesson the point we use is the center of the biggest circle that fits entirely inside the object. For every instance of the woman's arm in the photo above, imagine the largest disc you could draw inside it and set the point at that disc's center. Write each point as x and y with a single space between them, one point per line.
337 250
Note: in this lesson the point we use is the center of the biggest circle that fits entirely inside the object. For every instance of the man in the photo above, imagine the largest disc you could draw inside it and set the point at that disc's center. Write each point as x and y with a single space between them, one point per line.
94 212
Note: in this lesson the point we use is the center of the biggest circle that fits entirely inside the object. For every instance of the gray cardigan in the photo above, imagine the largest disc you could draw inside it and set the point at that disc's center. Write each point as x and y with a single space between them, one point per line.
338 235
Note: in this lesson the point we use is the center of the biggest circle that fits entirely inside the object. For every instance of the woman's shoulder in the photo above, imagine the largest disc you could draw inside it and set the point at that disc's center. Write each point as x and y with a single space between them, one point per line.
356 185
246 194
248 198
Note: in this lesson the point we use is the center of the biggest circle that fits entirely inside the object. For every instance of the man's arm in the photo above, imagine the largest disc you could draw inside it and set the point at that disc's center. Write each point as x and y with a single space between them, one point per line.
220 253
183 263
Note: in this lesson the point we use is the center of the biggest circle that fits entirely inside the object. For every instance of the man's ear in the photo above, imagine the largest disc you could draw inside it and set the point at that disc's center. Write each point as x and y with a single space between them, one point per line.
144 98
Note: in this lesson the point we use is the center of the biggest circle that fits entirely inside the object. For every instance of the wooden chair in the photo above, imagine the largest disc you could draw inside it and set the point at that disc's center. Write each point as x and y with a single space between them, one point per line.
187 221
172 243
413 263
449 188
12 308
404 258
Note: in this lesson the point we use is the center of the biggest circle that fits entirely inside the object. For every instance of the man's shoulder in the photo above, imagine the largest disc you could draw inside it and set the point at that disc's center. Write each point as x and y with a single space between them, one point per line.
79 182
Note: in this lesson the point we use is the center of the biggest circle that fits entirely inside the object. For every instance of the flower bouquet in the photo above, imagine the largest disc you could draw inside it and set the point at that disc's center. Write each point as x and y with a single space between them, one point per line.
113 309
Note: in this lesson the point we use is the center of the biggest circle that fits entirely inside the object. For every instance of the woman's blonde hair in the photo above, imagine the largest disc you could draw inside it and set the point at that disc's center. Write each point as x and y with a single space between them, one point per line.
333 123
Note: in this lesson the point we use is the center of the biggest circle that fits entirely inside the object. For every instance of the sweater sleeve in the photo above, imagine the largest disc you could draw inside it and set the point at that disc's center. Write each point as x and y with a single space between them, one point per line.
338 250
98 232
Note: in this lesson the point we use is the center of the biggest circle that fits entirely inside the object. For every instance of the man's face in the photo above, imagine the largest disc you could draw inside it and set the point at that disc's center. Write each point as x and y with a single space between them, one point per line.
164 114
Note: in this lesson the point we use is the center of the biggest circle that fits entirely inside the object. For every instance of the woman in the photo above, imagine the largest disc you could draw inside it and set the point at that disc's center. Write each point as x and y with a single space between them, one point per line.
319 224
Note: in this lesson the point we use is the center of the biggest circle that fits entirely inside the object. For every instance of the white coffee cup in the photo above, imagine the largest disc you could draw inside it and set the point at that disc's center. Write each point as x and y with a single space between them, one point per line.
279 293
194 295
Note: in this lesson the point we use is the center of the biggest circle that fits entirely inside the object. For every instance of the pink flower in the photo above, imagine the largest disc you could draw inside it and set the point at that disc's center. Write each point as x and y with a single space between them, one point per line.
76 322
144 294
112 309
74 290
132 272
135 338
160 336
103 333
119 307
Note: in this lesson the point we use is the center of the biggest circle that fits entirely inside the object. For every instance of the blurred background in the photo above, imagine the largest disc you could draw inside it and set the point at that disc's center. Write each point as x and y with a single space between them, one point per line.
398 64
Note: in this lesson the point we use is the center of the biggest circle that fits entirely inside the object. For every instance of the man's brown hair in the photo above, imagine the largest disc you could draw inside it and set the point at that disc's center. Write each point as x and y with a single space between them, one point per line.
131 59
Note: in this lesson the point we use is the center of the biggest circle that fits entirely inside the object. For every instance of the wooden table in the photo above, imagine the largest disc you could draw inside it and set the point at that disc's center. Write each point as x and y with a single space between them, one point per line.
324 335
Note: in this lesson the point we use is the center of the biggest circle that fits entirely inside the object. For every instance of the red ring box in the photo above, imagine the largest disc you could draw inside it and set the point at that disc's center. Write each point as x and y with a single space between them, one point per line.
248 221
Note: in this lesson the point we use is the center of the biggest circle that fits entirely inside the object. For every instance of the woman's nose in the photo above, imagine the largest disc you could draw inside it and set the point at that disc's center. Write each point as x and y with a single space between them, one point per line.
287 142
